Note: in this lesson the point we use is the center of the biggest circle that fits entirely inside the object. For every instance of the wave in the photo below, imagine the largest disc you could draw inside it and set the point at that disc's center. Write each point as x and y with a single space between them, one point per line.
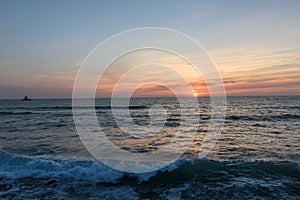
96 107
264 118
80 107
16 113
39 110
32 177
14 166
295 107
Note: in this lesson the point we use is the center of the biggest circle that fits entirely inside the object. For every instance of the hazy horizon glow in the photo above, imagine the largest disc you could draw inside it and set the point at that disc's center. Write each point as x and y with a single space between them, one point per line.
255 45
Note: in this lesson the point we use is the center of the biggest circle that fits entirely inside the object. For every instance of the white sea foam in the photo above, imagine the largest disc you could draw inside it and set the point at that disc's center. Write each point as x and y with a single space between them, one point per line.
81 169
14 166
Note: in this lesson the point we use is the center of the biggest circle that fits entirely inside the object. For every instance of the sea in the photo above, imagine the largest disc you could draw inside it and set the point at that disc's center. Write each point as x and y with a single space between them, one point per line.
257 155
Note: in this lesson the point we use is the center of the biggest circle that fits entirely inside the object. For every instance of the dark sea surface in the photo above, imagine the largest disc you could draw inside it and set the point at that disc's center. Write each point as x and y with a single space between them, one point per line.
257 155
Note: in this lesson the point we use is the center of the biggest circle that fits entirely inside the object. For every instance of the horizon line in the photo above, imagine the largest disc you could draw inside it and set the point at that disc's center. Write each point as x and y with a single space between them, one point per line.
41 98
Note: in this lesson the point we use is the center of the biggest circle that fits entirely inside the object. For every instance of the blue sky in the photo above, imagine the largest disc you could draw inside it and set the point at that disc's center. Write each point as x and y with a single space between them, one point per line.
43 42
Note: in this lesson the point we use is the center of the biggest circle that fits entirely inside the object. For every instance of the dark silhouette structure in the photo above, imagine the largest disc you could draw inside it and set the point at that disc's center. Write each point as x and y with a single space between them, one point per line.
26 99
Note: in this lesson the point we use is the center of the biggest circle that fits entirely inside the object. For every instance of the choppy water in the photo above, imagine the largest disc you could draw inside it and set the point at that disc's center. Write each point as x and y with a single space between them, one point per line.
256 157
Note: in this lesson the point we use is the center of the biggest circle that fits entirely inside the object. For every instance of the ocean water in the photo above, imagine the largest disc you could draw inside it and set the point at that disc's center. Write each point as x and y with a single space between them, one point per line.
257 155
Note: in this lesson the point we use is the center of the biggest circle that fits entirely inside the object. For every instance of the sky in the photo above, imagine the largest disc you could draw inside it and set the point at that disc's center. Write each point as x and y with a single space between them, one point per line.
255 45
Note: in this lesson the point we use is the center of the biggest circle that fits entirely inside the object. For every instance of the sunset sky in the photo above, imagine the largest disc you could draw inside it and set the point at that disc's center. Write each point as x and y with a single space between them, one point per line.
254 44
